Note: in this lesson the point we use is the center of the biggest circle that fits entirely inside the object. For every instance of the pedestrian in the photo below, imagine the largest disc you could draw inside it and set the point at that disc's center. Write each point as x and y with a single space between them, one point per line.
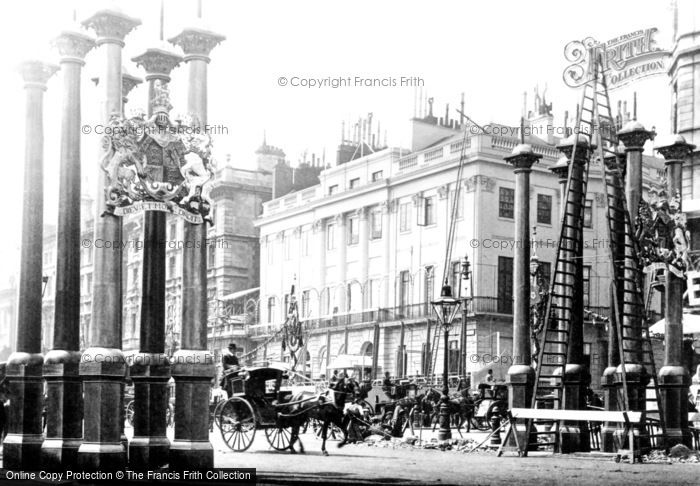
489 376
229 364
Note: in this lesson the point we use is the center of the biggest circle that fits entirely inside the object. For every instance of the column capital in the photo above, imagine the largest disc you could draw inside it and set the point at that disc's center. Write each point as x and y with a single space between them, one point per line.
129 82
197 42
522 158
73 46
561 168
583 148
111 26
317 225
634 136
389 205
158 63
36 73
677 150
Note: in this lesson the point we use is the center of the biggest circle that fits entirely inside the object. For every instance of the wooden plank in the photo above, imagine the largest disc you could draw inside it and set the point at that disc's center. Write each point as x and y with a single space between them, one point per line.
589 415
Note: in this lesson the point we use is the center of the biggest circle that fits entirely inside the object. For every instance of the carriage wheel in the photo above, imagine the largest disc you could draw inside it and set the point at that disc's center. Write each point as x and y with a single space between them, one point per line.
279 437
367 409
237 423
217 412
333 433
130 413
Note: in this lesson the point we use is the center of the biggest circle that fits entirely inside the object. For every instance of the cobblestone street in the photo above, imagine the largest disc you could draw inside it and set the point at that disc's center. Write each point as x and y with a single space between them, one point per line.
396 463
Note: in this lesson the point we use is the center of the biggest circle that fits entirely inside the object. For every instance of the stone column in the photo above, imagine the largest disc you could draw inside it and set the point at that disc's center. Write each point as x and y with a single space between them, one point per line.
320 230
342 232
574 435
193 366
613 163
364 217
388 279
521 375
22 445
674 379
64 408
150 369
633 136
102 366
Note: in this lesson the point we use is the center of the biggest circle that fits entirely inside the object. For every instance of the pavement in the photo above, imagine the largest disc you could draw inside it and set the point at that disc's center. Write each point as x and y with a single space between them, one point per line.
398 463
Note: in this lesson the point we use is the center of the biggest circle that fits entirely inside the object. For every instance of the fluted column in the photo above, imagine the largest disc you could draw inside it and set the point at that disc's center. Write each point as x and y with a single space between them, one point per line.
102 366
616 165
521 375
633 136
574 435
674 379
193 365
388 279
341 289
22 445
364 234
319 230
150 369
64 414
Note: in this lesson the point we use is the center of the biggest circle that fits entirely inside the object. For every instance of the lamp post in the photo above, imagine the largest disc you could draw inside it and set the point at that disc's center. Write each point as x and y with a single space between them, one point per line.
446 308
466 275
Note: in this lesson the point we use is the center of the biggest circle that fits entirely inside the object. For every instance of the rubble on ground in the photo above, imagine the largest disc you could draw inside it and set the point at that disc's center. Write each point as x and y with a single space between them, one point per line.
678 453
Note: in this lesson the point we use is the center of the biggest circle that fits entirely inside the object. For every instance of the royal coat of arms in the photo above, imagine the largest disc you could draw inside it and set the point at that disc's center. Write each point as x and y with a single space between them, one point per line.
156 164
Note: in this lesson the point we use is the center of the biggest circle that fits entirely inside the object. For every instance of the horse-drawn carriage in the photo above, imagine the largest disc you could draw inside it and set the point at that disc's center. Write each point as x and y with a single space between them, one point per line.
258 400
491 400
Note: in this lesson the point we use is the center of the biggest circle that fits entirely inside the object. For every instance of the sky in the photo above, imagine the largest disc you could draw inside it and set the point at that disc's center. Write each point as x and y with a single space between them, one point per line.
490 51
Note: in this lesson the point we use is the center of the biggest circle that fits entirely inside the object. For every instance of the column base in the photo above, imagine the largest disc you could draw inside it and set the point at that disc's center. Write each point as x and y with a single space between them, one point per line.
22 446
58 454
148 450
196 454
64 410
674 383
102 371
574 436
193 371
637 381
607 431
520 380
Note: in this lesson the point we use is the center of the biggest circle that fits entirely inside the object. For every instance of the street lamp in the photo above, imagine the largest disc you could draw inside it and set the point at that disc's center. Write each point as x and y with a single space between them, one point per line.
466 276
446 308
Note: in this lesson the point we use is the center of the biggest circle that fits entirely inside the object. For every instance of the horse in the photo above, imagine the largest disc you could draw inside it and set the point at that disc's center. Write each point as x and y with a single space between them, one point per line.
327 408
459 406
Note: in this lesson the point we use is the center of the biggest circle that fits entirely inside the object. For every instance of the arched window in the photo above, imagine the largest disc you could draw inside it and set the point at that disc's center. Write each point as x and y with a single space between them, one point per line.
367 349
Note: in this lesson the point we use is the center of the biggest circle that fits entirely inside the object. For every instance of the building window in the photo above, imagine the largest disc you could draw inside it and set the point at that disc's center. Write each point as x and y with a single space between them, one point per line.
376 224
453 357
211 255
354 183
173 231
429 285
405 289
460 204
505 285
330 236
171 267
544 209
271 310
428 216
546 269
377 175
456 278
353 229
305 303
270 253
333 189
506 202
373 294
305 243
287 247
588 214
586 285
405 217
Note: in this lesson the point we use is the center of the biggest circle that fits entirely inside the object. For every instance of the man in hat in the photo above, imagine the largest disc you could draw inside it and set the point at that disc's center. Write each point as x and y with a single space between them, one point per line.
229 364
